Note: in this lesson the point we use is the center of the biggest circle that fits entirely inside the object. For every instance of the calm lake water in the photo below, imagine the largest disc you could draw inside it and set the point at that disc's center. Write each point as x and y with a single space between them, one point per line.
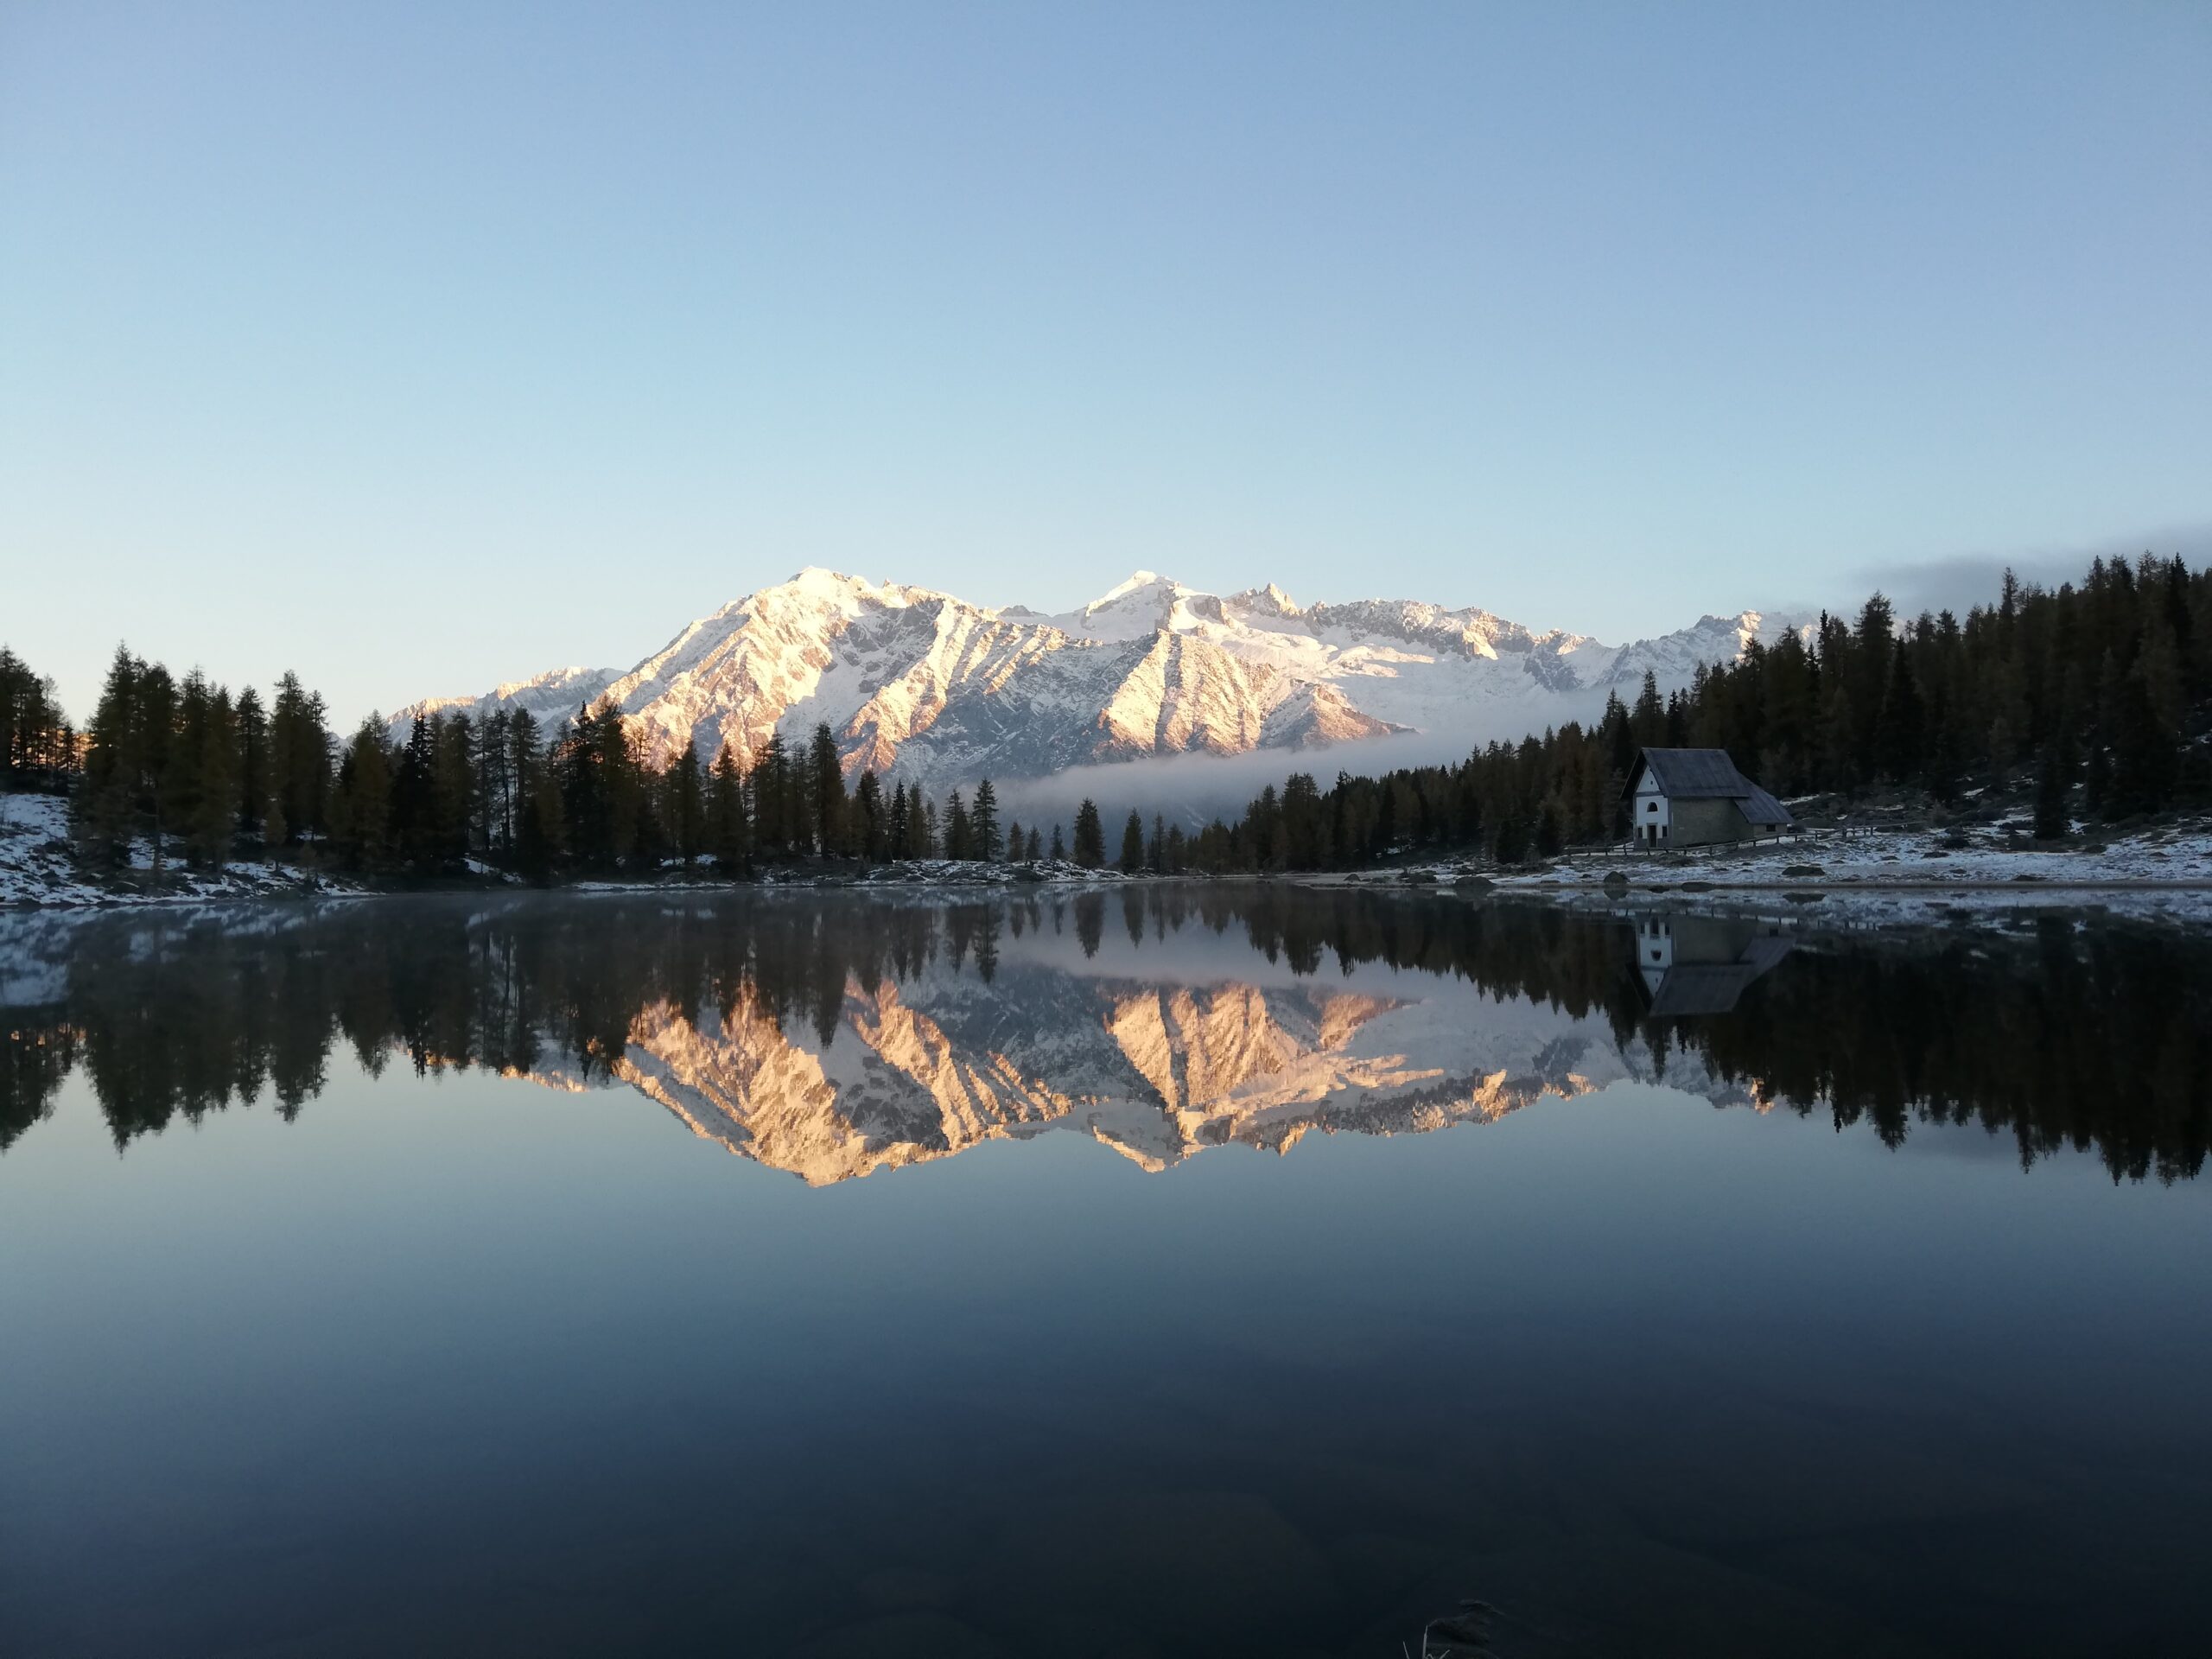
1171 1272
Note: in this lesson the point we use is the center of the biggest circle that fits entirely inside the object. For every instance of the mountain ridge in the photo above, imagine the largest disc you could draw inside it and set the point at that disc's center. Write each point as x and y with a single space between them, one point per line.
946 691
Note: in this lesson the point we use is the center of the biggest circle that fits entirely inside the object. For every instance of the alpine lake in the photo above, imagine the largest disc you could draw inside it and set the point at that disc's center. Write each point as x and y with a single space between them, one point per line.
1154 1270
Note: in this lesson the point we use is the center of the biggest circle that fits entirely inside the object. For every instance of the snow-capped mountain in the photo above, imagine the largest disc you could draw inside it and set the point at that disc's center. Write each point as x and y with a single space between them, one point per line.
945 690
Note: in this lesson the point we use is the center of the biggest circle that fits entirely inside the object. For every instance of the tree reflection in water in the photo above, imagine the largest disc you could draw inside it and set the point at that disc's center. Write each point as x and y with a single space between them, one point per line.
909 1028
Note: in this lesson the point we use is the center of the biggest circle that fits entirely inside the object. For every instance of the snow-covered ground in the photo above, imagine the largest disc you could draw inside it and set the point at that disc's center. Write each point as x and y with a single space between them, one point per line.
1884 874
36 868
912 872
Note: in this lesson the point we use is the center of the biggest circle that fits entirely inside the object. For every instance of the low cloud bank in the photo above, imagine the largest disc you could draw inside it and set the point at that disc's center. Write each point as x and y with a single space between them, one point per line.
1959 583
1190 789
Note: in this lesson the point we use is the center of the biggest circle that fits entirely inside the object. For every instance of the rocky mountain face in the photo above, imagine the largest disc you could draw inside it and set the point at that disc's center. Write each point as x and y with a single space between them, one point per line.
946 691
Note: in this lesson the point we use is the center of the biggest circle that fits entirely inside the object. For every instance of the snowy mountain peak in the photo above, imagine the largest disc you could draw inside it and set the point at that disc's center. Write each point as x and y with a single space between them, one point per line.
1137 581
918 680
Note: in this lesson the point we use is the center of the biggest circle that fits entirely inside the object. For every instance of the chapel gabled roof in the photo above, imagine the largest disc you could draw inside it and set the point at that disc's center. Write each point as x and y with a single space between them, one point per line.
1709 775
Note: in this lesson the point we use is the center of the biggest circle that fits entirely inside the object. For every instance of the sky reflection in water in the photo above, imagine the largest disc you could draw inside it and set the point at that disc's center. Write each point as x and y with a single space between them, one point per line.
463 1358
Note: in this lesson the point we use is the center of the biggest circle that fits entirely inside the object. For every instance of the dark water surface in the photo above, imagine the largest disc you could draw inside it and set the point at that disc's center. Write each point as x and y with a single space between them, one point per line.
1175 1272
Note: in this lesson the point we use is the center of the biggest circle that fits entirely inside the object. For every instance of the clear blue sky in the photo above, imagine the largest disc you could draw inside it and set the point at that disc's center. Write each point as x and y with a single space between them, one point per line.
420 347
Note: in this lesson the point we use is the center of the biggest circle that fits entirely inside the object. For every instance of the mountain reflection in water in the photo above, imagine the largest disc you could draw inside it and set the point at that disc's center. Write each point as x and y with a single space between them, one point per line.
835 1035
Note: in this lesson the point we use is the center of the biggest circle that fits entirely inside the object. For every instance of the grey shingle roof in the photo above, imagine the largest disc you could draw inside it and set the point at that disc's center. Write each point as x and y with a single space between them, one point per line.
1710 775
1760 807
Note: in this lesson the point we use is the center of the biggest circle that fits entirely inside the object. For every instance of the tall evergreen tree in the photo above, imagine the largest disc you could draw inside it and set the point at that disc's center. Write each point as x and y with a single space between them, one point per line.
413 807
983 824
687 807
360 812
1089 835
872 819
1899 731
826 791
300 763
959 838
901 826
727 832
526 780
772 802
453 780
492 786
108 797
36 744
251 765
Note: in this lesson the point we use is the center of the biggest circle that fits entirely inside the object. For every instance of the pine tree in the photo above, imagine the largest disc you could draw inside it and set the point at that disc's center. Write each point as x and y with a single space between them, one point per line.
901 826
1647 724
826 790
525 771
959 837
201 785
35 743
452 785
1132 845
687 807
492 788
1899 729
1032 852
1059 847
362 805
414 799
299 762
726 829
155 740
539 833
771 806
872 822
1014 844
252 761
1089 835
105 807
983 824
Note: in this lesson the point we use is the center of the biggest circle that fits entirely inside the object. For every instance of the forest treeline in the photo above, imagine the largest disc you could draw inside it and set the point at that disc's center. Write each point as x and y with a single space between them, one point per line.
2089 1038
208 777
2099 693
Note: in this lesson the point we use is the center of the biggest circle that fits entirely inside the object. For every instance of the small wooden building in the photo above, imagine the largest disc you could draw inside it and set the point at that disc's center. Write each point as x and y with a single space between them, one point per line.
1696 797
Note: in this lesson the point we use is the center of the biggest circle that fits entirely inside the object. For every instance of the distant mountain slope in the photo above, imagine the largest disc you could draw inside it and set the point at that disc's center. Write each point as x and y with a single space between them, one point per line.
945 690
